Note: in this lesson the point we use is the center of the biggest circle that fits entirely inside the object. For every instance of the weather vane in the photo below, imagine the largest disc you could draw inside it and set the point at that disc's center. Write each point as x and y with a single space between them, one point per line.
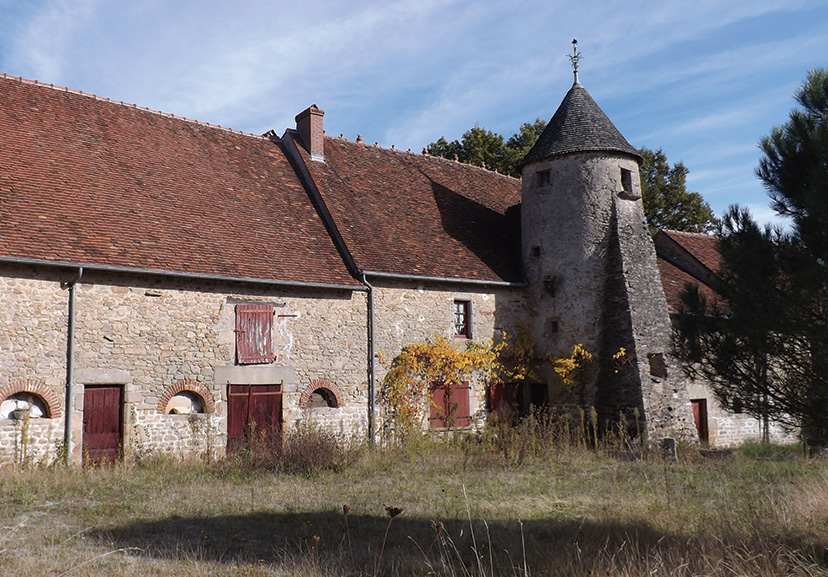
574 59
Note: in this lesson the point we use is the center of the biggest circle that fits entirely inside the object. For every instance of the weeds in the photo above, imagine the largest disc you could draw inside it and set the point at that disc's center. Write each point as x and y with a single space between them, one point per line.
307 450
543 506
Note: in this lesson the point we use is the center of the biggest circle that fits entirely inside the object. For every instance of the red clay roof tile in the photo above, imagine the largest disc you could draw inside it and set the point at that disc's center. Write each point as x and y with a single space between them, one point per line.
690 258
409 214
93 182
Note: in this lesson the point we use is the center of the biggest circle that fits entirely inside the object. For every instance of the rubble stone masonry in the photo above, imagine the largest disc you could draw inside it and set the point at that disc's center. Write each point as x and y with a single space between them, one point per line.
148 334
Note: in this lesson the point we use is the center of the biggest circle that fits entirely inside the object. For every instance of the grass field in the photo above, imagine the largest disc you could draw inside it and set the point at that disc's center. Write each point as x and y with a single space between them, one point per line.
465 512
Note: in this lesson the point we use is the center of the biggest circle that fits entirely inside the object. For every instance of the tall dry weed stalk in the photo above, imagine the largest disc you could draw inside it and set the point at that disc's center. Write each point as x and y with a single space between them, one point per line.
392 513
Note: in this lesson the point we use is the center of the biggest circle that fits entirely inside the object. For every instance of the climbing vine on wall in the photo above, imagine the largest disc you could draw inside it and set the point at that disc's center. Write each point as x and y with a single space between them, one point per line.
519 362
405 391
569 367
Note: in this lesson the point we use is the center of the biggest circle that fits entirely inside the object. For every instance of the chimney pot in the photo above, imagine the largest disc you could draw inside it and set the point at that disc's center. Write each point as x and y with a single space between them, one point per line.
309 126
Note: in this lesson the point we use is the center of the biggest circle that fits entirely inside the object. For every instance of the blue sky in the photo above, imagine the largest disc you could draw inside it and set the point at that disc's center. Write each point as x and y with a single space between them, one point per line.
702 79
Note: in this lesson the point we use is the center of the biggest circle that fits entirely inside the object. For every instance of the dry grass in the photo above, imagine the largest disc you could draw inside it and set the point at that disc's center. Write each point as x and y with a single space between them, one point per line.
466 512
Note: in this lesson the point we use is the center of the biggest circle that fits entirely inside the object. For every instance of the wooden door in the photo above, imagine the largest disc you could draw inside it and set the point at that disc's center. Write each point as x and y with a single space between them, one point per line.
700 416
102 418
254 413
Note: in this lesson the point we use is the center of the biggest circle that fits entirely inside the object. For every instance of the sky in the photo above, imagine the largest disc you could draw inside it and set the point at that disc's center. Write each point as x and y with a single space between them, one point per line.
704 80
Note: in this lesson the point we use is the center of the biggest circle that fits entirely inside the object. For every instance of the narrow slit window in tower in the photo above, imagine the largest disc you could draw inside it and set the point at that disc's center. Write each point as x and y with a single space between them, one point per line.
626 180
543 178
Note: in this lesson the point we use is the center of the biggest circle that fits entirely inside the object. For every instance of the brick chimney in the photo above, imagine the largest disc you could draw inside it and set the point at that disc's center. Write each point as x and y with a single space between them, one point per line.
309 125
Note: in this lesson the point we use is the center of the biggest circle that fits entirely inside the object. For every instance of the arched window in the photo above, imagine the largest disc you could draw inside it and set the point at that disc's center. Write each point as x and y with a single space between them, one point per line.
23 405
184 398
185 403
321 393
322 398
28 398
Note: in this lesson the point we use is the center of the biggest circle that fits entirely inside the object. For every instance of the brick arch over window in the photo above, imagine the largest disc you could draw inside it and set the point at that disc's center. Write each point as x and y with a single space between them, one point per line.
189 386
320 384
37 388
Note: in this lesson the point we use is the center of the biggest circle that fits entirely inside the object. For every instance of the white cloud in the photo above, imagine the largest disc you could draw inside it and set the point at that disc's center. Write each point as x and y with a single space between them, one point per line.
40 43
702 79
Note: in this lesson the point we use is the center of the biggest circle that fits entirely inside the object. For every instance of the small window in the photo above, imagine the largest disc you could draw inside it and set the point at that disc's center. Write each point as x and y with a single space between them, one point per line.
450 406
658 366
22 406
321 398
184 403
543 178
627 191
462 319
626 180
254 329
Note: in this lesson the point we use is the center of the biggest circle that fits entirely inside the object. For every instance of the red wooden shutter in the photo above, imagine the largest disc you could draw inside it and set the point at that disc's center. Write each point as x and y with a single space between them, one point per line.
254 326
450 406
460 402
437 418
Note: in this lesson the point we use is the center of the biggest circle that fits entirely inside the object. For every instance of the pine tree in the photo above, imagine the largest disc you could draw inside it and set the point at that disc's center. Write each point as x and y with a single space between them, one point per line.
764 346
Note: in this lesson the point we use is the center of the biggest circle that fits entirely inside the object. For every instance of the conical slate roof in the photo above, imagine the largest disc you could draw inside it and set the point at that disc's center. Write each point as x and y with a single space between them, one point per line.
579 125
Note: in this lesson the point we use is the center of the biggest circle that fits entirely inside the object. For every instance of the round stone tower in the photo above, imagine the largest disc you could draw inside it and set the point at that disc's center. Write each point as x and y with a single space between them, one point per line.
591 268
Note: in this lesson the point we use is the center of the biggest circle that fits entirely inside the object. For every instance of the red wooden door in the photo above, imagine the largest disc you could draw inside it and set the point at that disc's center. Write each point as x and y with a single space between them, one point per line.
102 417
253 410
700 416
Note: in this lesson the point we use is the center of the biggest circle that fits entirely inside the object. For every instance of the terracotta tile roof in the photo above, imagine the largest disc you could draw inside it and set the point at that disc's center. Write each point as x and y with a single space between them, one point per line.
703 247
410 214
674 280
93 182
685 257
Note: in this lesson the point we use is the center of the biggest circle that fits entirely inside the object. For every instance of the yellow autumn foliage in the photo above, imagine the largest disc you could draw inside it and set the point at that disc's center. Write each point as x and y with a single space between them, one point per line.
405 389
568 367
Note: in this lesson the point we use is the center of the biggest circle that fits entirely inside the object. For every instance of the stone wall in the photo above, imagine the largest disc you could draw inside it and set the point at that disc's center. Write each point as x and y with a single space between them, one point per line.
409 313
150 333
591 267
29 442
727 429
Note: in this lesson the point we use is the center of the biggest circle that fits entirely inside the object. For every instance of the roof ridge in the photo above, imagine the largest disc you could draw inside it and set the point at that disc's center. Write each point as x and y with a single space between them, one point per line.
475 166
675 262
689 233
161 113
377 146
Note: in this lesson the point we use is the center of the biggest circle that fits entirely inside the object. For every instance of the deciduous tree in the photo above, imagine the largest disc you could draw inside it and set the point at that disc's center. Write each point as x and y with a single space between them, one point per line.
482 147
667 202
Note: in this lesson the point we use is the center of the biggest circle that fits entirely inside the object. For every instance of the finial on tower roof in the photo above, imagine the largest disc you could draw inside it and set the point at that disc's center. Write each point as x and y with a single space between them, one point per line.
574 59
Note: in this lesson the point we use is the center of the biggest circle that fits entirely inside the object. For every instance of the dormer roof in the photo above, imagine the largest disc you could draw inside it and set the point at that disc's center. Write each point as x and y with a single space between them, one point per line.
579 125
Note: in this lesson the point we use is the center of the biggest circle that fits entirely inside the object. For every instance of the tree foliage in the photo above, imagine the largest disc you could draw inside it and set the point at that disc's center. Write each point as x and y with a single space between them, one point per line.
482 147
667 202
735 341
765 347
406 390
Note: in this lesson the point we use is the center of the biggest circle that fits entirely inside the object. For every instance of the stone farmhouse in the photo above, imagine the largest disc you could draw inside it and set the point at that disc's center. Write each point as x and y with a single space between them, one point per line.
167 283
